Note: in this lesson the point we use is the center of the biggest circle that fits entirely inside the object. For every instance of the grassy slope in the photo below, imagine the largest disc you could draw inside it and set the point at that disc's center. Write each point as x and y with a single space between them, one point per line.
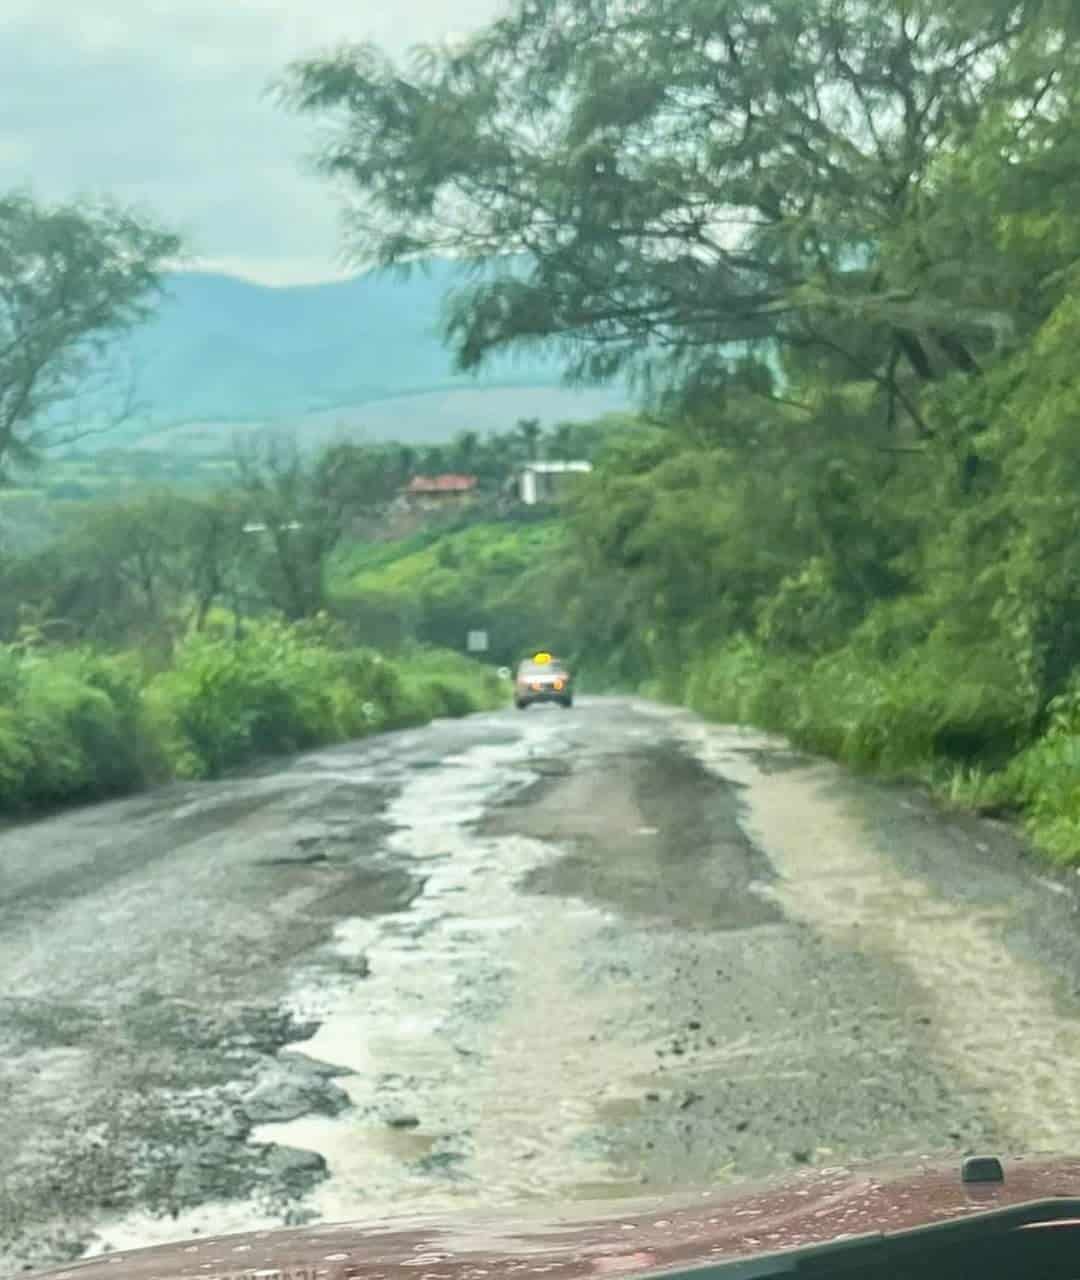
489 576
488 548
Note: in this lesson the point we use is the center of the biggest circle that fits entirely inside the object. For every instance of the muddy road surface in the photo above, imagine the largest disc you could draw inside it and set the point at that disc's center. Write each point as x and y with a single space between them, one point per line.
558 955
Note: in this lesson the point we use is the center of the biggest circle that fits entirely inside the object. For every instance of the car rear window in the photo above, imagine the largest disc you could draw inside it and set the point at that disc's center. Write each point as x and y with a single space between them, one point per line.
542 668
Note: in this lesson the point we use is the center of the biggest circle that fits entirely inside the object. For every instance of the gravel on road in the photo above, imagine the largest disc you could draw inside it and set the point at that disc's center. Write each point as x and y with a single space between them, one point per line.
535 957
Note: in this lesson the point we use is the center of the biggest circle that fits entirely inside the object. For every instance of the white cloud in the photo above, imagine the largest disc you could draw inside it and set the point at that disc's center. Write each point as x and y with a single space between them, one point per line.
280 272
163 103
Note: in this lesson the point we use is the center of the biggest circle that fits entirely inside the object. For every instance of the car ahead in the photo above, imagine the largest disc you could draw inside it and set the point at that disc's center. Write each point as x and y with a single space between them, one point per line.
543 678
989 1219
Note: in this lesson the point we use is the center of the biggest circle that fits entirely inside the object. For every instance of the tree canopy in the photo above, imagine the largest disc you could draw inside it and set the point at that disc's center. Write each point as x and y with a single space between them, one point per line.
72 277
670 188
840 237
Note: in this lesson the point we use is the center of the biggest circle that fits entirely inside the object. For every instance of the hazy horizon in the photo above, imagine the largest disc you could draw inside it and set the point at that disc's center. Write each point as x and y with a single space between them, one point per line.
92 106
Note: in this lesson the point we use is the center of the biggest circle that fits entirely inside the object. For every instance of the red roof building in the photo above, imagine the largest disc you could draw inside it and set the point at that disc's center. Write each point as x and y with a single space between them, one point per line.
440 486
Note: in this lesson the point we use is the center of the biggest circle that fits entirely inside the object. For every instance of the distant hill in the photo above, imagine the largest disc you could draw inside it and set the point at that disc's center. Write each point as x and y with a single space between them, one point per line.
361 356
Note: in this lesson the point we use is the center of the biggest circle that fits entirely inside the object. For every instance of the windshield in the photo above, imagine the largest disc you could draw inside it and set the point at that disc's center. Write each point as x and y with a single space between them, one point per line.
539 616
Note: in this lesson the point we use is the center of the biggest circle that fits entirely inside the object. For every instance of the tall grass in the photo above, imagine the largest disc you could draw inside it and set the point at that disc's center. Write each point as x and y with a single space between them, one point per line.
962 723
1044 780
70 728
77 726
903 717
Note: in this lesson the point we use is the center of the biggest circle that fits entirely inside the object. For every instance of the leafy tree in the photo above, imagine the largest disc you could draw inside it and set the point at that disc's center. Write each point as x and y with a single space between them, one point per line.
432 460
677 189
301 509
152 567
402 463
465 452
561 442
72 278
529 432
216 555
116 575
499 457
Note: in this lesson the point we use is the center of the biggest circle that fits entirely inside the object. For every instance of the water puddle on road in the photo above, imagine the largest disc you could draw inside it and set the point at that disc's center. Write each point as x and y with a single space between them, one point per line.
476 1068
472 1055
499 1032
999 1021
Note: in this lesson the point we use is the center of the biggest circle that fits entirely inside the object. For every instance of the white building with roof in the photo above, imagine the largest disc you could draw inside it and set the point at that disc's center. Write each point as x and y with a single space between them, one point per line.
545 481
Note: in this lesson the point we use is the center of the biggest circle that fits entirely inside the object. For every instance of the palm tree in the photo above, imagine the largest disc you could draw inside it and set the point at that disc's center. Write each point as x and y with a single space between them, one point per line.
406 461
500 457
561 442
466 451
529 432
434 460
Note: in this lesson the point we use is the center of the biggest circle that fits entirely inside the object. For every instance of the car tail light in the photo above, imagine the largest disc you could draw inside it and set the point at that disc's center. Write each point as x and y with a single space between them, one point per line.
558 684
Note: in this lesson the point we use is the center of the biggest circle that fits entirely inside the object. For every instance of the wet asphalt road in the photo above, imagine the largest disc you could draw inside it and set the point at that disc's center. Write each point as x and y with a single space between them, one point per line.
542 956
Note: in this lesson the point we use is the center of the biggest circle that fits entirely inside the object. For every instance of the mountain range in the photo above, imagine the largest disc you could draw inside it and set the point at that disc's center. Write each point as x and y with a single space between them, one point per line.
359 357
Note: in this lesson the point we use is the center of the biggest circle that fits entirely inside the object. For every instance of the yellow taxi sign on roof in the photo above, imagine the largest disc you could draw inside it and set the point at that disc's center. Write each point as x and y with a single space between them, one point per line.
541 658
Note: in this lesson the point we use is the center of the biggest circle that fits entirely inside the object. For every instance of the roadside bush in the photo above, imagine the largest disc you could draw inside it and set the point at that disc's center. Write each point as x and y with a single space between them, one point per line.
739 683
77 726
14 760
278 689
808 613
1044 780
224 700
900 718
69 728
447 684
961 717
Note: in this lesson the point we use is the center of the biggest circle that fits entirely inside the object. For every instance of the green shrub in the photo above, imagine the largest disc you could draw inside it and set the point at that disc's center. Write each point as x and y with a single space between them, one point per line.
278 688
70 728
78 726
448 684
974 789
15 761
228 699
959 717
897 717
808 613
1044 780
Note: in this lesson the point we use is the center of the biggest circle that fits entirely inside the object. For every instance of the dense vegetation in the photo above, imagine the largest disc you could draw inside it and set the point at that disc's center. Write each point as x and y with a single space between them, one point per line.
836 240
79 724
73 278
49 492
178 633
150 630
438 585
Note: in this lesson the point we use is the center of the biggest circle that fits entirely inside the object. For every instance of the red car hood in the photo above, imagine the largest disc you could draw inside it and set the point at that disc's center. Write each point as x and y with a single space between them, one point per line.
575 1242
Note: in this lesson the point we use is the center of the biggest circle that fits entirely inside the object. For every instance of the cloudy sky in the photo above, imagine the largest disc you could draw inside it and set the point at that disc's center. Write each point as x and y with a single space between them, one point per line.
162 103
